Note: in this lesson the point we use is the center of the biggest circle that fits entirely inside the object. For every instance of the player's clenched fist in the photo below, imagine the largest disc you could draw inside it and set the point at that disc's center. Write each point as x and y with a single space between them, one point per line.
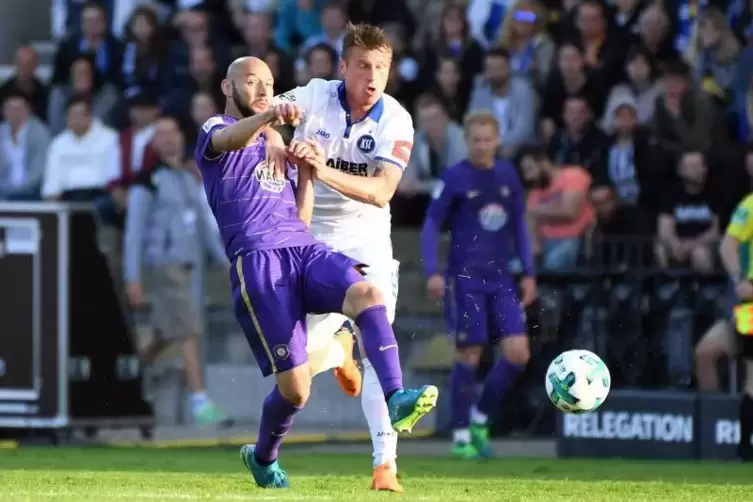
288 113
307 151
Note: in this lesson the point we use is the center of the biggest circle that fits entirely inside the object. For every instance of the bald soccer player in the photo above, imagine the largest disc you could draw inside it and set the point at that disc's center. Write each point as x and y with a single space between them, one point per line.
279 272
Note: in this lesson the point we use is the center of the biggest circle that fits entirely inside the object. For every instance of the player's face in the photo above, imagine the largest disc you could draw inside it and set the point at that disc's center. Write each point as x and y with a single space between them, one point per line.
251 93
365 73
483 142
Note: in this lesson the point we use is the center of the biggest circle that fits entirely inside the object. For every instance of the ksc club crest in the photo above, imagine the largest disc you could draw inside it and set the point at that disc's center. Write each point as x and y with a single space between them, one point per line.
492 217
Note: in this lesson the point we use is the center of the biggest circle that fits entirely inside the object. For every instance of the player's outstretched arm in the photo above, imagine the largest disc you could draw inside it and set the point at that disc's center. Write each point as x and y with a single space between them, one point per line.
376 190
237 135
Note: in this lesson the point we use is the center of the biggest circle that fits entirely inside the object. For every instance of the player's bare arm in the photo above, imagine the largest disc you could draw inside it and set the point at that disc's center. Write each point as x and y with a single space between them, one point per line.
302 154
376 190
236 136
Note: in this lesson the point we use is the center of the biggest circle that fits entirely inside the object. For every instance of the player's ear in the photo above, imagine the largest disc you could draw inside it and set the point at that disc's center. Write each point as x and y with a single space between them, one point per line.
227 87
343 65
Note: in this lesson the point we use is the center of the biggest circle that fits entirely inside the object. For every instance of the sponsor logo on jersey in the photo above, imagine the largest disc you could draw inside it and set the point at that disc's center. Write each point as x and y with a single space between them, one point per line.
324 134
266 179
366 143
492 217
355 168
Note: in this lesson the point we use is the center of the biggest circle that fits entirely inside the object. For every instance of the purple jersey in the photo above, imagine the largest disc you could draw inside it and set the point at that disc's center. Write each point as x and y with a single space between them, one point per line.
253 210
486 213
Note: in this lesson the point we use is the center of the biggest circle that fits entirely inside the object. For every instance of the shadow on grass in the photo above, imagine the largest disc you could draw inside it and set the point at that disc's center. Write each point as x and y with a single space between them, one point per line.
225 461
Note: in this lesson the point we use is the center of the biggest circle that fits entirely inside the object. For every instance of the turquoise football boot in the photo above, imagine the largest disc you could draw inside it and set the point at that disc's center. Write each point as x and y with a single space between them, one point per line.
480 440
266 476
407 407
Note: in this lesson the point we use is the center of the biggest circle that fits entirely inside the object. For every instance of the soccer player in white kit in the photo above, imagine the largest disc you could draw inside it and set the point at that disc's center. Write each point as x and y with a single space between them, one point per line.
367 137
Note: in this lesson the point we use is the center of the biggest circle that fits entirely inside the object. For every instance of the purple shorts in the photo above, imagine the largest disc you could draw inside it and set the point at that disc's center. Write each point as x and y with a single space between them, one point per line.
274 290
483 312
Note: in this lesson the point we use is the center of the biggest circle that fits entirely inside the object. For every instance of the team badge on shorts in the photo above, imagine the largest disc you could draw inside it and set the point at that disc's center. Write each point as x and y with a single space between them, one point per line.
281 351
366 143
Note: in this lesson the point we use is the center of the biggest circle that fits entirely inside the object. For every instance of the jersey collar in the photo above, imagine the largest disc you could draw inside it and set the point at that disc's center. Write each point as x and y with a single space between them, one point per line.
375 113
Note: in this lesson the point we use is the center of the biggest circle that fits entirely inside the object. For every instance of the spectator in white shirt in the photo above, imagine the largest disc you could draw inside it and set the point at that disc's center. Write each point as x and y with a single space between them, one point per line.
83 159
24 140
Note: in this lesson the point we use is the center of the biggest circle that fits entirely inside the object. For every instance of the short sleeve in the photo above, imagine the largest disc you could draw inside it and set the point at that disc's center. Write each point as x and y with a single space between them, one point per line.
741 225
395 141
203 145
304 96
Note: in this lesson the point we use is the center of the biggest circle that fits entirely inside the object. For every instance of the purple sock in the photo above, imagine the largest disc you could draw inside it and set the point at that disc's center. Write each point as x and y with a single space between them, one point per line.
463 385
497 383
381 348
276 420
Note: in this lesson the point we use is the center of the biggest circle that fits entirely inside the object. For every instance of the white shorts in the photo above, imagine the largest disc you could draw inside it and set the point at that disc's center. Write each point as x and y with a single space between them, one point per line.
383 274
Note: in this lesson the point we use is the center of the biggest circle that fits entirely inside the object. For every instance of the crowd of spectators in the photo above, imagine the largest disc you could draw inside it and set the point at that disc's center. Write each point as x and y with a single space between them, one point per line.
627 119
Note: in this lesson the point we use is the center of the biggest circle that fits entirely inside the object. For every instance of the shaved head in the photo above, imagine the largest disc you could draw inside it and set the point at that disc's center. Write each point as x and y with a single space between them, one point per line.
247 87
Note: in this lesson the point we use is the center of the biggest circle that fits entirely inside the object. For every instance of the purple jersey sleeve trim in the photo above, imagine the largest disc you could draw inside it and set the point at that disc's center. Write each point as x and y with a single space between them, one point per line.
391 161
206 144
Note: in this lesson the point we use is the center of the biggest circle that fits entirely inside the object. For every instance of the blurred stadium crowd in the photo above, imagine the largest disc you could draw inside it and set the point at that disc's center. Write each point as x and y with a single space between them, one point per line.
648 106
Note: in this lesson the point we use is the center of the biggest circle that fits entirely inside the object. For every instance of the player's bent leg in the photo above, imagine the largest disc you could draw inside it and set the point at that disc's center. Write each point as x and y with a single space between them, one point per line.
463 397
327 351
285 400
364 303
714 345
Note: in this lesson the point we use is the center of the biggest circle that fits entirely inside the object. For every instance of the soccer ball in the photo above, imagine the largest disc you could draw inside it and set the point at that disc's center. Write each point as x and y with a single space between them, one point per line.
577 381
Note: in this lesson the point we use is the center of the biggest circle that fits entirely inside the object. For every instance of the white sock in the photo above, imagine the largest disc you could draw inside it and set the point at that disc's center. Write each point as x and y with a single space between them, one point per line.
198 399
331 356
477 417
461 436
383 436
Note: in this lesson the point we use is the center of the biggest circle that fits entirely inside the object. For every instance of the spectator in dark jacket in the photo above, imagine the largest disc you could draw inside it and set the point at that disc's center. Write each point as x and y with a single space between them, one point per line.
24 80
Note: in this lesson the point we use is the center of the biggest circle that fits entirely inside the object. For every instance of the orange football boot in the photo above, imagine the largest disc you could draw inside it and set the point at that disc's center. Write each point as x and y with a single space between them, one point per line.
385 478
348 375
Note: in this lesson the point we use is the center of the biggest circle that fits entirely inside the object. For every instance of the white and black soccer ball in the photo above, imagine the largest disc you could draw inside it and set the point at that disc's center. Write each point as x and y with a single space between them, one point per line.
577 381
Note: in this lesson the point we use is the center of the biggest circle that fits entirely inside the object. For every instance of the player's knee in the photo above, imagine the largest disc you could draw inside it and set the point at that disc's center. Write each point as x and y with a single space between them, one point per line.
470 356
517 350
701 259
295 385
361 296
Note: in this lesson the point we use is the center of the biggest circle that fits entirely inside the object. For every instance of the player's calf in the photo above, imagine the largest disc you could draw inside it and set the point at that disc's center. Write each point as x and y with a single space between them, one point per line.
364 304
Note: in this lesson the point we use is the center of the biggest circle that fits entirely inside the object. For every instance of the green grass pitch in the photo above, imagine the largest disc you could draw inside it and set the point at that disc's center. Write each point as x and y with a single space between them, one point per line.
135 474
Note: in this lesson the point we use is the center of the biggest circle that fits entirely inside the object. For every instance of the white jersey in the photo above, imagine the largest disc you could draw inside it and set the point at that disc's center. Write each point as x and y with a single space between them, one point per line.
385 134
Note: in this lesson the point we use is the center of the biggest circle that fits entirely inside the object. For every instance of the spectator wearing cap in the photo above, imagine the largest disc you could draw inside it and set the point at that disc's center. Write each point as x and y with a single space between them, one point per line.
604 54
640 87
296 21
524 36
83 80
510 97
136 154
24 80
83 159
629 165
438 144
94 39
454 41
145 50
24 140
685 116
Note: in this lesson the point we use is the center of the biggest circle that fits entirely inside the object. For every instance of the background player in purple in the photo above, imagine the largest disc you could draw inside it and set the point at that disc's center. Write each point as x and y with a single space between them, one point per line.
483 200
279 272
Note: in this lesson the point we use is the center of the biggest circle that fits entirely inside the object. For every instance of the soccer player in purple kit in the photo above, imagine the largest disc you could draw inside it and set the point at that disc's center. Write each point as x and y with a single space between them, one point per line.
483 200
279 272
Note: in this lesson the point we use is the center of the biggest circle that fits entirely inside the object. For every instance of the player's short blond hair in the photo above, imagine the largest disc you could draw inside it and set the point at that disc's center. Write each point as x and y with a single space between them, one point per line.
365 36
481 118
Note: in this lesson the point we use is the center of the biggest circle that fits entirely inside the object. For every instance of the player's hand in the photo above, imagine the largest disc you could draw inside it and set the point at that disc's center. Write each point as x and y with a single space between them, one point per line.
744 290
307 151
527 290
276 158
435 286
288 113
135 294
